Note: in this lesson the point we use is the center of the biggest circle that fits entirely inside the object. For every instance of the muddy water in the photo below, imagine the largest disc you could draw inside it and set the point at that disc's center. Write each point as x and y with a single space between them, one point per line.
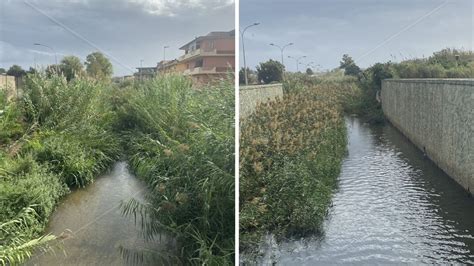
392 206
98 228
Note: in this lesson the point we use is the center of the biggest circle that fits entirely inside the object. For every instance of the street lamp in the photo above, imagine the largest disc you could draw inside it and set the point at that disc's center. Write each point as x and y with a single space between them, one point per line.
55 56
281 50
243 49
297 61
164 52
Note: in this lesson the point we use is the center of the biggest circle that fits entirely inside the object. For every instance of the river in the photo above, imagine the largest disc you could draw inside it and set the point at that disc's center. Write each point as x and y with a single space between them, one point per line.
97 227
392 206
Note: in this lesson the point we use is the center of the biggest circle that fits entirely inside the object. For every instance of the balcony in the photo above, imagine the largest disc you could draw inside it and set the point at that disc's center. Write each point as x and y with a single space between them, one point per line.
205 52
206 70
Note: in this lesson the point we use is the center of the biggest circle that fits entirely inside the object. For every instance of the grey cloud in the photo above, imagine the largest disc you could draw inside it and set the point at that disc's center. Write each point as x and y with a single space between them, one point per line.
324 30
126 30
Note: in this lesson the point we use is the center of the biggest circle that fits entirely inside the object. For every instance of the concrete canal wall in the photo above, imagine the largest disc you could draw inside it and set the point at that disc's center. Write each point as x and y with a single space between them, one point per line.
437 115
251 96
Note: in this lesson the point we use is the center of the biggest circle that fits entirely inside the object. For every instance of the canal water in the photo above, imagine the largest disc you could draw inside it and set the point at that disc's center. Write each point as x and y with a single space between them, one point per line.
93 218
392 206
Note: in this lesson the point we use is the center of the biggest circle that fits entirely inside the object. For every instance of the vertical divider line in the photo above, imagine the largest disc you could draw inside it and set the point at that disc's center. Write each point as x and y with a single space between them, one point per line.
237 129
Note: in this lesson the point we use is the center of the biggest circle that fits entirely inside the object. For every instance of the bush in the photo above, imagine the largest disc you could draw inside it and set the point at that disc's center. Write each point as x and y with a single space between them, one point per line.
270 71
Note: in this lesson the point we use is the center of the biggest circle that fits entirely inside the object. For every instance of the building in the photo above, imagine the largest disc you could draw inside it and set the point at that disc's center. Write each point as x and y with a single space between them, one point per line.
171 66
209 57
145 73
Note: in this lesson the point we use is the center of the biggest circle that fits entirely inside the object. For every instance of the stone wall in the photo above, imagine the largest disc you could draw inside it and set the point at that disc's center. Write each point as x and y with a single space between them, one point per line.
8 86
437 115
250 96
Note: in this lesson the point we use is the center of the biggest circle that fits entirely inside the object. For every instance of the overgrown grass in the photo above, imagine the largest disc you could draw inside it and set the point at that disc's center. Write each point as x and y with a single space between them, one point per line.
180 140
61 134
57 136
290 155
447 63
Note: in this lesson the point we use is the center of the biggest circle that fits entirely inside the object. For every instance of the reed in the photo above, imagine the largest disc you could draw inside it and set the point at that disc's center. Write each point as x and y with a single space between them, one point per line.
291 150
180 140
57 136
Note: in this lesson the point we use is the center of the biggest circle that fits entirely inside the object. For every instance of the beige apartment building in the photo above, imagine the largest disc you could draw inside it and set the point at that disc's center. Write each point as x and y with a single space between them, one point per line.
206 58
209 57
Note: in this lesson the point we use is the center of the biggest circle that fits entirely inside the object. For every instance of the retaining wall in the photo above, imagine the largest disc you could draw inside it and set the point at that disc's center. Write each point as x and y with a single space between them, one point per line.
437 115
8 85
251 96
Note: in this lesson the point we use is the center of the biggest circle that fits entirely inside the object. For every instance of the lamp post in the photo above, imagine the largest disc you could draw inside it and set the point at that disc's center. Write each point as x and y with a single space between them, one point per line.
243 49
297 61
282 48
55 55
164 52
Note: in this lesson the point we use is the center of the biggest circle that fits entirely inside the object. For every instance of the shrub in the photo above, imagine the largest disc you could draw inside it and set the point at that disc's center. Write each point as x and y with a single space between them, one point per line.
270 71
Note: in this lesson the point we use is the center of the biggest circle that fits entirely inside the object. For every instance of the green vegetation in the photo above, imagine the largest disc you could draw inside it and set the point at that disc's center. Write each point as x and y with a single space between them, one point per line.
184 149
16 71
61 135
447 63
57 137
98 66
71 67
290 156
270 71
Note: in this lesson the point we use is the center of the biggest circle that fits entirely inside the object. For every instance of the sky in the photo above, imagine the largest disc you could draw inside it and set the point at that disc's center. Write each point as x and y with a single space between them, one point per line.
127 31
370 31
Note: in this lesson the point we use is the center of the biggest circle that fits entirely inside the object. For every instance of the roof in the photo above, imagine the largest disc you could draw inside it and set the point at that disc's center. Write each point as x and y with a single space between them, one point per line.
214 35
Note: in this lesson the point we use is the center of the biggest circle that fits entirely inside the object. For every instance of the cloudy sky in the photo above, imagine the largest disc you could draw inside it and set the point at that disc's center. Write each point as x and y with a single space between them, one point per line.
369 30
126 30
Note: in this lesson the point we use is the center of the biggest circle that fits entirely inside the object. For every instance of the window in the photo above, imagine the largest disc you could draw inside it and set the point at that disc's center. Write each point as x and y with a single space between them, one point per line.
199 63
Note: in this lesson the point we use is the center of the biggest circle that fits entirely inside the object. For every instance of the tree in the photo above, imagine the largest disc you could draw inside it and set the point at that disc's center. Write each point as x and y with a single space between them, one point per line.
380 72
2 71
309 71
71 67
242 75
32 70
270 71
349 66
251 77
16 71
98 66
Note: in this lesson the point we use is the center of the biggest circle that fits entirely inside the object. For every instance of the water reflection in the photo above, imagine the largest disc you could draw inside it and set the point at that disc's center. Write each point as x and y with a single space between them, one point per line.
99 229
392 206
